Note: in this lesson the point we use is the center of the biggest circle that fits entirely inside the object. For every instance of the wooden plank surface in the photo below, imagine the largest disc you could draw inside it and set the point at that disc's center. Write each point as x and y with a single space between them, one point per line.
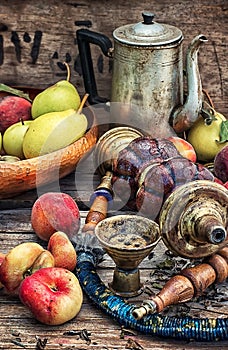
37 37
18 326
22 64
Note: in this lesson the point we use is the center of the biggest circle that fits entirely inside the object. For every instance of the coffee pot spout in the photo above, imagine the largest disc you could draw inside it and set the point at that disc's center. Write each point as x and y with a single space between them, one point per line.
184 116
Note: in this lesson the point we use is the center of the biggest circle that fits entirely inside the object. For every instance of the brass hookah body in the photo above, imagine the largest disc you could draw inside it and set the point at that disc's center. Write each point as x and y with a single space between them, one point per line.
193 223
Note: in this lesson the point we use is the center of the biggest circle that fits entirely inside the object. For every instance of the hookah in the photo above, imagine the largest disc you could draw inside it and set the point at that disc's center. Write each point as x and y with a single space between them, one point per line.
102 234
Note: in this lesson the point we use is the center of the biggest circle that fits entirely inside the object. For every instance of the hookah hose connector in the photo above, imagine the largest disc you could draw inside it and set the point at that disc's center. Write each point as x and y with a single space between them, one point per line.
148 307
100 200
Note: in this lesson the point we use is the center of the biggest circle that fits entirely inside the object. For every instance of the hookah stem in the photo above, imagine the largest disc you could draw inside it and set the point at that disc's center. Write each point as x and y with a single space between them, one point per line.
190 282
100 199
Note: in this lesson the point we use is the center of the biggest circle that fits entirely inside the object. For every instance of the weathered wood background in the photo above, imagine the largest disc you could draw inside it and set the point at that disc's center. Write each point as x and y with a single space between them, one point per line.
36 37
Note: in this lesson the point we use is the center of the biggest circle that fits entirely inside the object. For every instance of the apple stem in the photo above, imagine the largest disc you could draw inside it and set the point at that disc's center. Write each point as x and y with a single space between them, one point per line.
68 71
82 103
22 121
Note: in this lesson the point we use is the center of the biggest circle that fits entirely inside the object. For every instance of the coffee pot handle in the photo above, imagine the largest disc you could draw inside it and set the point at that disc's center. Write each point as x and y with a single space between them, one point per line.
86 37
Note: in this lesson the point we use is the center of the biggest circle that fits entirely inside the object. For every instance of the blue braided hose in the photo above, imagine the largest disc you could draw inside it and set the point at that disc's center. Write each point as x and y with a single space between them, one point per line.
182 328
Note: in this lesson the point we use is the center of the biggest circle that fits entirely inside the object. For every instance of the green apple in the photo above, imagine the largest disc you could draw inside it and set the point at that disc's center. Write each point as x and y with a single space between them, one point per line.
13 138
205 137
9 159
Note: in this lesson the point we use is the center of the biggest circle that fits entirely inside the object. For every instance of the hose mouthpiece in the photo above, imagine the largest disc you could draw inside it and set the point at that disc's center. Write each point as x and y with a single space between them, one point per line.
147 307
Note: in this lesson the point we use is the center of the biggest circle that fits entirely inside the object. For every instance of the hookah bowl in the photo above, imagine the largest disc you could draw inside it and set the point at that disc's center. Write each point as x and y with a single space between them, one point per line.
127 239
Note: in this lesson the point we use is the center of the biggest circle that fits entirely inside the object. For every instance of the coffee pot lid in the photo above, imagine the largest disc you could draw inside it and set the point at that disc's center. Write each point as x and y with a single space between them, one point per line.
148 33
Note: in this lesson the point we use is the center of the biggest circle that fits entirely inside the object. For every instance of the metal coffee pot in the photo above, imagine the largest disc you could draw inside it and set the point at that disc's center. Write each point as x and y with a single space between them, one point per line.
147 78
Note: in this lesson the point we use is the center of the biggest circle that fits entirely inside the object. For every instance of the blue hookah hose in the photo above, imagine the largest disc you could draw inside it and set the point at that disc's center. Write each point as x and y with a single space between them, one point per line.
182 328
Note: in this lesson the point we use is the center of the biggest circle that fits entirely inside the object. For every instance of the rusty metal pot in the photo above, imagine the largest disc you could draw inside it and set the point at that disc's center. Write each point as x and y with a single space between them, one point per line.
147 80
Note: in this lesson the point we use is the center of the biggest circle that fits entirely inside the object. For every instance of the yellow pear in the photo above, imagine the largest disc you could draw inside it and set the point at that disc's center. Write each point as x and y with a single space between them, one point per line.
53 131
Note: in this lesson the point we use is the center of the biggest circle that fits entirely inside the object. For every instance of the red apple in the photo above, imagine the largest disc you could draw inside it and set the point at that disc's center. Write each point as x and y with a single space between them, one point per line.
184 148
12 110
19 262
62 250
55 211
53 295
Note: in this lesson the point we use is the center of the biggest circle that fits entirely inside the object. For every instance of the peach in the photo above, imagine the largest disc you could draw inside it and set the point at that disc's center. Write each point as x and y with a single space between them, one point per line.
184 148
55 211
44 259
52 294
63 250
2 257
18 263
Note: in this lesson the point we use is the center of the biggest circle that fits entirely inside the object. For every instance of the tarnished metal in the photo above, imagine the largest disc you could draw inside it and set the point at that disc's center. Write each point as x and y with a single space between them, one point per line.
194 219
148 33
128 239
110 144
184 116
148 78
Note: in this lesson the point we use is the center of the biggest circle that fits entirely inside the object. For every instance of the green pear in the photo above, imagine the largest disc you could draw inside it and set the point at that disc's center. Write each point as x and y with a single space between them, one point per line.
13 138
58 97
53 131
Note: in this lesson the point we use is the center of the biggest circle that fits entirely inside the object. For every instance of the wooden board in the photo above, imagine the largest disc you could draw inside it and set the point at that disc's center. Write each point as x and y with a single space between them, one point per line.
37 37
93 329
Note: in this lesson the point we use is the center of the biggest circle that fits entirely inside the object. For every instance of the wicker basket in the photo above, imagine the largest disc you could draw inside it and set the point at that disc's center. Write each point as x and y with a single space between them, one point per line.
24 175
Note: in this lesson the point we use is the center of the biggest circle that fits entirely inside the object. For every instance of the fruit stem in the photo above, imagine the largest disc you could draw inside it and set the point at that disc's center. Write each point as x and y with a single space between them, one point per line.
208 113
82 103
209 98
68 71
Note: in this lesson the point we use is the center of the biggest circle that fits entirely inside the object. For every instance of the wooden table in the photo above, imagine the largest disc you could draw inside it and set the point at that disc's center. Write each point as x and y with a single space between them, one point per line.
94 330
22 64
